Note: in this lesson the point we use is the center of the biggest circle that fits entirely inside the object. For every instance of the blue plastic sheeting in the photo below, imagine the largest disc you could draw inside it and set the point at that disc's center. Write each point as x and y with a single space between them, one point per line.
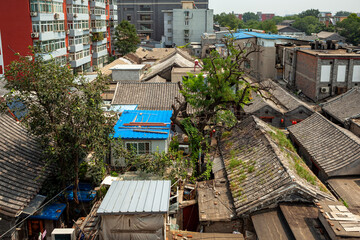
17 108
246 35
82 187
122 108
51 212
83 196
143 132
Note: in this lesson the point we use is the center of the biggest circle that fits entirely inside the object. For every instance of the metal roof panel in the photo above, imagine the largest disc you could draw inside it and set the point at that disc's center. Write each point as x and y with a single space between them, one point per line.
131 197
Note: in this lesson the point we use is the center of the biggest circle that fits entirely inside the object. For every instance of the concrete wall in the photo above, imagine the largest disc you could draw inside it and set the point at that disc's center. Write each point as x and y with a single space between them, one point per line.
354 128
199 21
126 75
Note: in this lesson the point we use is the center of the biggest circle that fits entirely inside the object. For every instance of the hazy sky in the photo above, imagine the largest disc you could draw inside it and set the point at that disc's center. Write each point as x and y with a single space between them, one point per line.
282 7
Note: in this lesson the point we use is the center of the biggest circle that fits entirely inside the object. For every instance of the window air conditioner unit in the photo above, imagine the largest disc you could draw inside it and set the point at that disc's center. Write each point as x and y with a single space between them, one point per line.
56 15
34 35
325 89
33 14
63 234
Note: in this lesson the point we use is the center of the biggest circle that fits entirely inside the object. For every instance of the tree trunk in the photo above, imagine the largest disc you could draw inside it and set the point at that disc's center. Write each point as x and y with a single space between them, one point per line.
76 180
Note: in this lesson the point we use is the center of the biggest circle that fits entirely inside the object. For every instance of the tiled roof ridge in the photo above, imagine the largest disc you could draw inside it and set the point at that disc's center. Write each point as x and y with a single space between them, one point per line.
341 96
139 83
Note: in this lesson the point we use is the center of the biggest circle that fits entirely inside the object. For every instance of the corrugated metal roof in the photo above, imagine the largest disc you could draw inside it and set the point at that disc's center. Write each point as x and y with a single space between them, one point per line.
246 35
131 197
143 132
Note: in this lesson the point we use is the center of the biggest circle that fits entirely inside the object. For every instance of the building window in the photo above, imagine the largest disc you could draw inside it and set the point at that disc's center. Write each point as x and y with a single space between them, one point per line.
128 18
145 8
186 22
169 30
169 22
341 74
247 64
139 148
325 73
186 13
146 17
169 38
356 73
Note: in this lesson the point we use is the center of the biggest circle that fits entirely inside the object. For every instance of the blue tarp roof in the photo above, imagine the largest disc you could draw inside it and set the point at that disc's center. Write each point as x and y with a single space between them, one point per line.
246 35
143 132
50 212
85 192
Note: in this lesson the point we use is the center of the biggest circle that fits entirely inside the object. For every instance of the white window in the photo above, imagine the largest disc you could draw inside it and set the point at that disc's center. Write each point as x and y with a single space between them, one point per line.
341 74
186 22
356 73
139 148
325 73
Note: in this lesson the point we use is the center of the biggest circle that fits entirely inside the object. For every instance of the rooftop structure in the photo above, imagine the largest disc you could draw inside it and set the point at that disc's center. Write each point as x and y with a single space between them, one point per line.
330 150
163 68
147 96
260 173
143 124
344 106
131 197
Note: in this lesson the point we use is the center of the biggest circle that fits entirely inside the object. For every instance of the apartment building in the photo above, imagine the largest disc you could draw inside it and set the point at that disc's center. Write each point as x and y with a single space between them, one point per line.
77 32
185 25
147 15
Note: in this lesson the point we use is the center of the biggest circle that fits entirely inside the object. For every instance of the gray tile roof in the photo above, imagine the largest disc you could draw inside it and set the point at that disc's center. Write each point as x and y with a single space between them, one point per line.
21 170
136 197
175 59
344 106
260 172
148 96
334 149
279 99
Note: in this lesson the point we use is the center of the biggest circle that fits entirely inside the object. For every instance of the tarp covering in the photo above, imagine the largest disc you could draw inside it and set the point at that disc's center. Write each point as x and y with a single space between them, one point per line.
135 227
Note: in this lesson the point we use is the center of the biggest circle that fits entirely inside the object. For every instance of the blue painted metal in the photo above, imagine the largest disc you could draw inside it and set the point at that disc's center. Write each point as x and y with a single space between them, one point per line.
131 197
143 116
85 192
247 35
50 212
17 108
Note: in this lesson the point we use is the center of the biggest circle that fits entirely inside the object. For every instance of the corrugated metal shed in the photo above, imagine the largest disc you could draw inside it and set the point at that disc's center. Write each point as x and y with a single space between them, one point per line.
135 197
246 35
140 127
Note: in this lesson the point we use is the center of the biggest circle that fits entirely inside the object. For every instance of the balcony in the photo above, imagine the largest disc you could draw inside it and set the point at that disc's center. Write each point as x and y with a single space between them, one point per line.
99 29
51 35
79 62
97 4
100 54
77 16
54 54
77 2
98 17
48 17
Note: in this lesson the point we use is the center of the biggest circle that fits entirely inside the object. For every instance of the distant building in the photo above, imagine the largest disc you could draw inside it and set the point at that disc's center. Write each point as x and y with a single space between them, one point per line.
147 15
265 16
328 19
323 35
186 25
289 31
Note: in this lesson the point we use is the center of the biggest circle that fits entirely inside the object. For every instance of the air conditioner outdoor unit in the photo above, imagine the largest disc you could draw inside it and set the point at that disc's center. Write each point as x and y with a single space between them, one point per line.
63 234
67 32
34 35
184 148
68 48
33 14
56 15
75 15
70 59
325 89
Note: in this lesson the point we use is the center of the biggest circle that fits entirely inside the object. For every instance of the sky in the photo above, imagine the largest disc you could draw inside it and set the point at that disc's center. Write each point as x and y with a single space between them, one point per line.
282 7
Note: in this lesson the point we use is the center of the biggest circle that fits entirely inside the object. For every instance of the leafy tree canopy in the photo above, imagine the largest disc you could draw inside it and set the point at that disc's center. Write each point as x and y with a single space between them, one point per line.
227 20
342 14
64 113
350 28
126 38
248 16
310 12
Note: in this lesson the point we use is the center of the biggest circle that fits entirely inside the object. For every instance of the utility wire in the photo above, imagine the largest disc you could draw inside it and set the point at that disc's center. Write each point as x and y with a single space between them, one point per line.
42 206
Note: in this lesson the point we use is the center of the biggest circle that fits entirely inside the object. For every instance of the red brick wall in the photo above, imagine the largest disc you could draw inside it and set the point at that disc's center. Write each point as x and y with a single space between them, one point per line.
306 72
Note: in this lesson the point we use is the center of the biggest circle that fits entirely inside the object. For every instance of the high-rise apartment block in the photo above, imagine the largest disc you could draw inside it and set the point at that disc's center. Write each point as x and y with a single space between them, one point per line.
77 32
148 16
185 25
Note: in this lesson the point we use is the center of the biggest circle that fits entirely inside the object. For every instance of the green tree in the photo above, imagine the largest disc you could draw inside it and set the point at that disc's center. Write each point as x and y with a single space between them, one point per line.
126 38
248 16
268 26
227 20
310 12
64 113
211 97
342 14
309 24
350 28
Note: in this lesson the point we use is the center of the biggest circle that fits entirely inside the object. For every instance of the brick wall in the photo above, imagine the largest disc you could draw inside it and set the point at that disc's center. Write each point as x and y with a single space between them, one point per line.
306 71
